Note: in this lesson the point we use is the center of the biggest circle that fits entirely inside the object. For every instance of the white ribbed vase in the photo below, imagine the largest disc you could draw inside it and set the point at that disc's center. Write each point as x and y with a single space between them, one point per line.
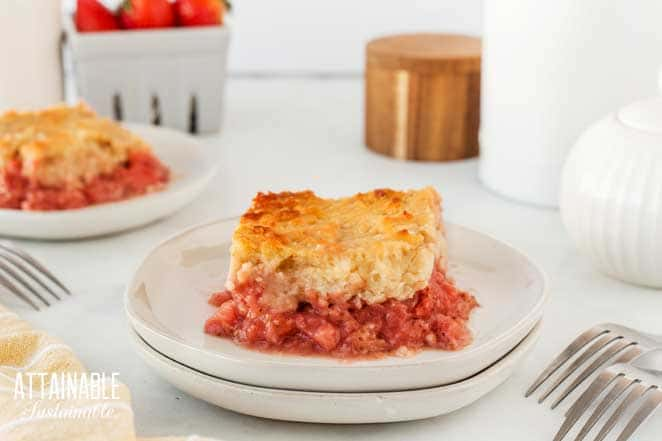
611 193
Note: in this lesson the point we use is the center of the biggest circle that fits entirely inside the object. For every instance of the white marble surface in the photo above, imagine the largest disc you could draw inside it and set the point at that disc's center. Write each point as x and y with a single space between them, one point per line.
293 134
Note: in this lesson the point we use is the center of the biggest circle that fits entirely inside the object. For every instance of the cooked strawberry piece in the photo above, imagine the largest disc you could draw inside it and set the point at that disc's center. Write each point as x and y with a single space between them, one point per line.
319 329
278 328
142 173
53 199
13 186
222 322
218 298
252 331
104 190
326 336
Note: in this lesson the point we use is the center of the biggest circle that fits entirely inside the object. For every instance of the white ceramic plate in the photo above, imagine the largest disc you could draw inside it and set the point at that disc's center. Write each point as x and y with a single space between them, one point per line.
192 164
335 408
166 303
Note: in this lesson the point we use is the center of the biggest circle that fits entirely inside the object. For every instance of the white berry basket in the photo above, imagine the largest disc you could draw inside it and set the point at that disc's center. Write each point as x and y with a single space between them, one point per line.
173 77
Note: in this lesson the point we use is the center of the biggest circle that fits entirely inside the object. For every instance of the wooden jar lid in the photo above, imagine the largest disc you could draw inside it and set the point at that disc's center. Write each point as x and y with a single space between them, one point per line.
431 53
423 96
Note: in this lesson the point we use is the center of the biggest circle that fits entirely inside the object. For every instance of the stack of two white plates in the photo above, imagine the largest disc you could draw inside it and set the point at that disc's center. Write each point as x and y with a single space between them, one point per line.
166 303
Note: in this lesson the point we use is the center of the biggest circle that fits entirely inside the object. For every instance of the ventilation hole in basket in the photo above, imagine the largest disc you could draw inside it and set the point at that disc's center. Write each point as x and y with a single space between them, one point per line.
193 115
118 113
156 111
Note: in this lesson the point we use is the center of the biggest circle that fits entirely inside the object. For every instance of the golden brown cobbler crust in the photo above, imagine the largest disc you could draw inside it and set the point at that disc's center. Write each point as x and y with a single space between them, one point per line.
374 246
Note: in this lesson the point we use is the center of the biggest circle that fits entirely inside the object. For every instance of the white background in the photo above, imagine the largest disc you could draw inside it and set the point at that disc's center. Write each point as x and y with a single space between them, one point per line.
329 36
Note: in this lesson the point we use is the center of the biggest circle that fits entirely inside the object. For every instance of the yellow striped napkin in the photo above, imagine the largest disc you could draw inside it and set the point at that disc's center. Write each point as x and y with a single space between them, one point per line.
46 394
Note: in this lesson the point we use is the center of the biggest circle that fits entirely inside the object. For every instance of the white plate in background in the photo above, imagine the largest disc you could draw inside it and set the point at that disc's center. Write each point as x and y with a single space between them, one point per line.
335 408
191 163
166 303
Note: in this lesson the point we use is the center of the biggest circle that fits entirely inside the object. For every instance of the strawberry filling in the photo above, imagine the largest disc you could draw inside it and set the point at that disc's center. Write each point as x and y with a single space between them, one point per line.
435 317
142 173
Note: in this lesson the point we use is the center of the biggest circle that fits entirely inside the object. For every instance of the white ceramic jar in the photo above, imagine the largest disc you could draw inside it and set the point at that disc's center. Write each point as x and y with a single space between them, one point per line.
551 68
611 193
30 70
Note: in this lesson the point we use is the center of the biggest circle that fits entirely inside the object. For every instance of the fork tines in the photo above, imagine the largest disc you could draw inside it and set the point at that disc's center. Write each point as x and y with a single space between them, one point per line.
25 277
635 390
599 344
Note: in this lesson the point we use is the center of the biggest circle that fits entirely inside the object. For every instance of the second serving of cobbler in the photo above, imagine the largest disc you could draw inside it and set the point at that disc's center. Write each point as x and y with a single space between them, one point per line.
68 157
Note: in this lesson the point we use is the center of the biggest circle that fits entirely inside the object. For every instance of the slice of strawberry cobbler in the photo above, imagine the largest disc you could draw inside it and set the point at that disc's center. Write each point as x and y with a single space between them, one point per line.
356 277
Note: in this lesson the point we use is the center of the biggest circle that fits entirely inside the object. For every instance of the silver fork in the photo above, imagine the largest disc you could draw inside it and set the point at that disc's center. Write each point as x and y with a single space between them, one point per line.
642 377
603 344
28 279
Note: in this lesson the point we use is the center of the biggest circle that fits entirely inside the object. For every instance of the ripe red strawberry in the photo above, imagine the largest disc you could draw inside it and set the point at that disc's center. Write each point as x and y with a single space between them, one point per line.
92 16
141 14
200 12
